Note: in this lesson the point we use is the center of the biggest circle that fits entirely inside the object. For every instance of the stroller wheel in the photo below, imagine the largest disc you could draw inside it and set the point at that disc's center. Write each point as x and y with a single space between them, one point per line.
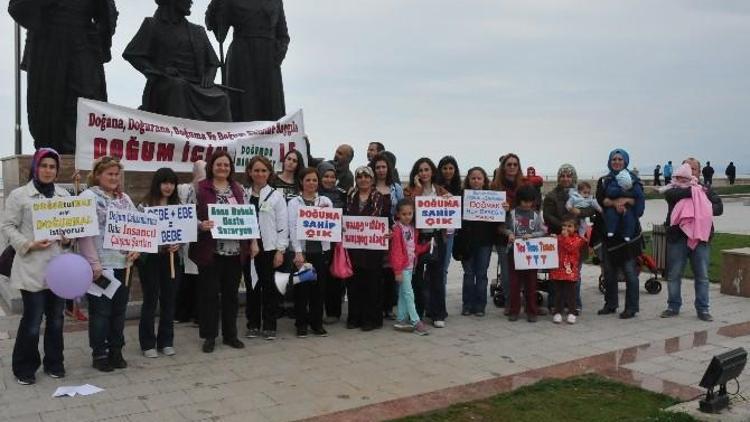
653 286
601 284
498 300
539 299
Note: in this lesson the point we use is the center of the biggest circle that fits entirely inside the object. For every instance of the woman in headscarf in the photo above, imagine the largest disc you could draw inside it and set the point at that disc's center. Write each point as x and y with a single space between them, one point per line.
28 273
554 211
618 253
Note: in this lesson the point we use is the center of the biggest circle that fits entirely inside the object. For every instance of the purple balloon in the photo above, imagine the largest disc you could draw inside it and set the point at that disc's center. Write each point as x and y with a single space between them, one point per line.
69 275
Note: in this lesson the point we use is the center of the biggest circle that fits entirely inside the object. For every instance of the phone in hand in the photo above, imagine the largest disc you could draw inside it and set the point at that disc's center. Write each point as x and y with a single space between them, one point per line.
102 282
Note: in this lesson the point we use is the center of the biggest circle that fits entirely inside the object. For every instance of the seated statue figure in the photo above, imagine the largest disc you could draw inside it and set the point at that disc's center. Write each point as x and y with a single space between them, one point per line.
179 64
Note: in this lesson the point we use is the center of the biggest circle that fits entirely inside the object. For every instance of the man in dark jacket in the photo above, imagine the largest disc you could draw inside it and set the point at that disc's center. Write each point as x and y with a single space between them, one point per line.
708 174
731 173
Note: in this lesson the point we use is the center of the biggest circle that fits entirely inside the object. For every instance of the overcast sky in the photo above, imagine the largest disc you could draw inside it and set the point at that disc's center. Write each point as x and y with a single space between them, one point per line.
552 80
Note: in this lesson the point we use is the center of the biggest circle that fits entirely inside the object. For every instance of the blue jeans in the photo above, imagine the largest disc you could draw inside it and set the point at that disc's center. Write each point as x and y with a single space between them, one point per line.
678 253
626 222
26 358
475 279
448 254
406 307
504 262
107 320
611 295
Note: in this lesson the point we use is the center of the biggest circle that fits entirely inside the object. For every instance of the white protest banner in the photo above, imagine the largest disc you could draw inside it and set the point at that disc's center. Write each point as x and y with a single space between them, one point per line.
70 216
365 232
131 231
535 254
484 205
144 141
316 223
437 212
233 221
177 223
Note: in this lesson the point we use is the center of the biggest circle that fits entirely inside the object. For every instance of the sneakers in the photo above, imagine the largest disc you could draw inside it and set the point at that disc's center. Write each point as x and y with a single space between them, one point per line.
26 380
705 316
168 351
252 333
669 313
150 353
421 329
55 374
269 335
439 324
479 314
531 318
234 343
209 345
319 332
301 332
571 319
557 318
403 326
512 317
466 312
116 360
102 364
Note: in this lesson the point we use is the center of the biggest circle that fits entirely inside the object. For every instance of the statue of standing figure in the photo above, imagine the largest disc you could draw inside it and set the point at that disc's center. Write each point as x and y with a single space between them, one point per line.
254 58
67 44
179 64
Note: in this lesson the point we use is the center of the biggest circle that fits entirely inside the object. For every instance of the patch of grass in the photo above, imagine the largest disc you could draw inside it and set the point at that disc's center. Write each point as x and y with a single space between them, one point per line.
580 399
722 190
720 242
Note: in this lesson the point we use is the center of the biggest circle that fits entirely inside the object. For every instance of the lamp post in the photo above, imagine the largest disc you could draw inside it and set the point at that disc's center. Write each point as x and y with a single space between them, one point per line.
17 70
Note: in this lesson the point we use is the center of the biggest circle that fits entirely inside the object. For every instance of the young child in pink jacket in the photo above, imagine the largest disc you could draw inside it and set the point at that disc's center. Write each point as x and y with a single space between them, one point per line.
404 250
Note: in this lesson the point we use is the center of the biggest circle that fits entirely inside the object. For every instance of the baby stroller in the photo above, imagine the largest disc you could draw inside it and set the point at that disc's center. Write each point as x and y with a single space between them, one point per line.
643 261
498 295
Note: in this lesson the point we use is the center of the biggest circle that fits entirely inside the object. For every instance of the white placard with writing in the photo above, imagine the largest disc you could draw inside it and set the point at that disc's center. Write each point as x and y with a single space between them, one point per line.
437 212
535 254
365 232
177 223
71 217
319 223
131 231
233 221
484 205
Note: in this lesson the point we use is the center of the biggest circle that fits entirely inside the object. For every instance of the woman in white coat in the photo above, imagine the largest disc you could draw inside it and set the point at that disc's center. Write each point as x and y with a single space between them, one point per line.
270 206
308 296
27 274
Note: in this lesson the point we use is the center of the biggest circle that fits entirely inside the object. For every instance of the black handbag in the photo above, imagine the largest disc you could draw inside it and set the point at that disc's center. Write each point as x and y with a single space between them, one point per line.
6 261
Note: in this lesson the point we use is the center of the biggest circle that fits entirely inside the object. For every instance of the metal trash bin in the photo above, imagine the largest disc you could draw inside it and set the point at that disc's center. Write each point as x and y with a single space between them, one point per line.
659 246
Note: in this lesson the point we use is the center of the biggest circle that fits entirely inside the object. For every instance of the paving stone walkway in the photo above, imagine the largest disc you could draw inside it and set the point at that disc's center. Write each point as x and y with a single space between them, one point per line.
353 375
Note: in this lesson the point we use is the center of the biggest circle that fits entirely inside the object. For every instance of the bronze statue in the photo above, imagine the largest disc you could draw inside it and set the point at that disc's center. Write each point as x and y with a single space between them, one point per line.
179 64
254 58
67 44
